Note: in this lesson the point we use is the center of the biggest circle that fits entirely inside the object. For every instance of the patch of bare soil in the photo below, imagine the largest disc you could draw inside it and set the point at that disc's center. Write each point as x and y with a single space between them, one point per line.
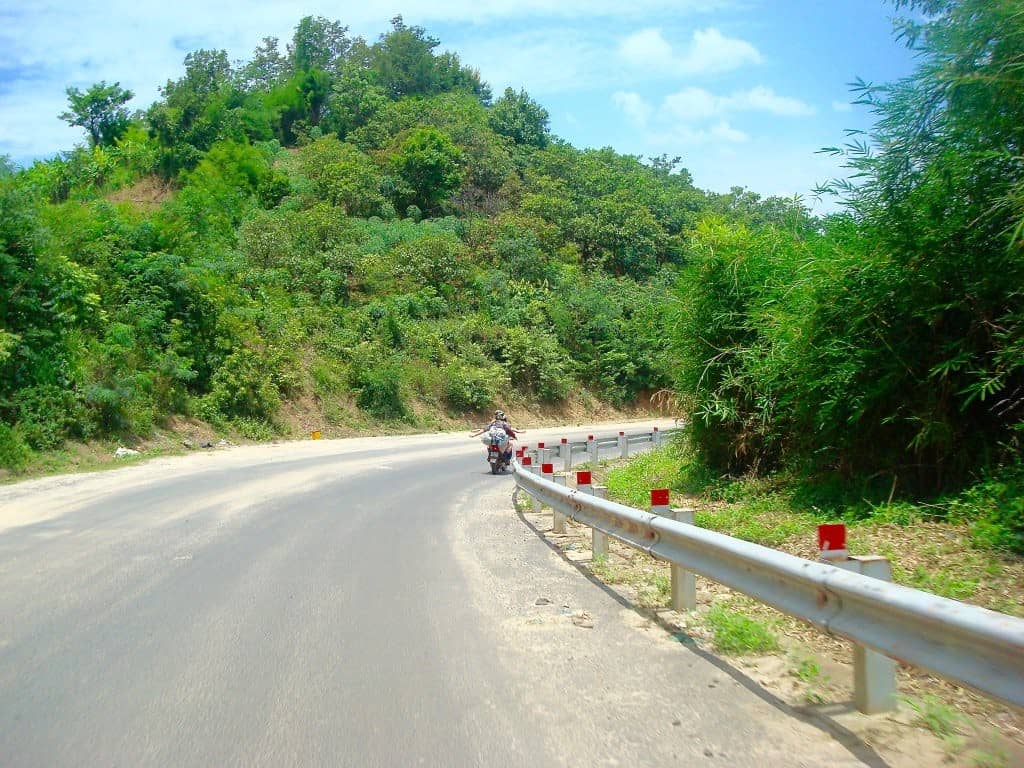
148 192
937 722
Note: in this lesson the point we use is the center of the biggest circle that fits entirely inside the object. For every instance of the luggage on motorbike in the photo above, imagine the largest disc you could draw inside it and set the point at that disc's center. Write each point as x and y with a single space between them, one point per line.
496 435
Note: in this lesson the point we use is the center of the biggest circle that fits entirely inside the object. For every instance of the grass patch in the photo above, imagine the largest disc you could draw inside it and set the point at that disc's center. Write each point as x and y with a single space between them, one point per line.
941 582
631 483
655 590
768 520
603 569
807 671
735 633
939 718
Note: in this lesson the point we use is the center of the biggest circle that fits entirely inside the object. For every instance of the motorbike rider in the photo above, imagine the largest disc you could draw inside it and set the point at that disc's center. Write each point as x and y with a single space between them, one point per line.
501 422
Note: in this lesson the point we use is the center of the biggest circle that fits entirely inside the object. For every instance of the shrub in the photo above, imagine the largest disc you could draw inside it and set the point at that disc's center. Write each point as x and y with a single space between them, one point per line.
378 384
14 452
536 363
994 509
243 387
473 388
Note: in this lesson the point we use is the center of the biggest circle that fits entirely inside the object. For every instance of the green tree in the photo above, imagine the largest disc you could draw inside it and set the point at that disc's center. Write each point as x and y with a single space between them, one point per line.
405 61
427 165
520 118
100 110
344 176
318 43
266 69
355 100
197 110
940 203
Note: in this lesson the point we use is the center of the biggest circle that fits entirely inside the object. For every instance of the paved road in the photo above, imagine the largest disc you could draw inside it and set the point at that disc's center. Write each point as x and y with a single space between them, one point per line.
339 603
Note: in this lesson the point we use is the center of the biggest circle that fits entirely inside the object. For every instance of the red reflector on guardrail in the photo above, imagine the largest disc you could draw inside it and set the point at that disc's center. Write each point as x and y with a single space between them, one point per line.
547 468
659 497
583 478
565 440
540 445
832 537
527 461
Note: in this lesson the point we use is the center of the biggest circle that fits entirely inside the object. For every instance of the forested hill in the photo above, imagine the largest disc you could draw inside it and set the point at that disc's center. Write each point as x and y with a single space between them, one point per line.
365 232
361 229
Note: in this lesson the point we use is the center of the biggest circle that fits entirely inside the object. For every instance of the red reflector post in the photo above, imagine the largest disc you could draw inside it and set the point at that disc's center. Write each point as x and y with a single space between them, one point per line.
832 540
659 497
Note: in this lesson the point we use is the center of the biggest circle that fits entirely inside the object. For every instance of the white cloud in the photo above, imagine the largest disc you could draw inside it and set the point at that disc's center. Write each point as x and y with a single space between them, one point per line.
691 104
633 106
709 52
550 61
697 116
648 49
720 135
694 104
660 127
725 132
762 99
842 106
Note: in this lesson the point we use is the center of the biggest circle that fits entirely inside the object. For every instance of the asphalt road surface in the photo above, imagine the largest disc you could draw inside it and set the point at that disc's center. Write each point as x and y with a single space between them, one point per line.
366 602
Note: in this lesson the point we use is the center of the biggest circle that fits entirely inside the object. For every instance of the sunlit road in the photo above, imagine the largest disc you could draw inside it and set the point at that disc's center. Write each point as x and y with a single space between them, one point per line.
349 603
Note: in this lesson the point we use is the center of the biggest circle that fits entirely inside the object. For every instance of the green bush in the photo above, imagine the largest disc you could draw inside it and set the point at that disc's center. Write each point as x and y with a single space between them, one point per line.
378 384
48 414
536 363
14 452
470 388
994 509
243 387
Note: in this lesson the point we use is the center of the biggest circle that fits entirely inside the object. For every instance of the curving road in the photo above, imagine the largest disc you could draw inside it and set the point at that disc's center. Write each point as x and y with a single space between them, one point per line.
366 602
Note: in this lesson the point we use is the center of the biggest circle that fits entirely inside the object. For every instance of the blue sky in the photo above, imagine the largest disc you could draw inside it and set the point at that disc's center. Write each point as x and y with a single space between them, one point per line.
744 91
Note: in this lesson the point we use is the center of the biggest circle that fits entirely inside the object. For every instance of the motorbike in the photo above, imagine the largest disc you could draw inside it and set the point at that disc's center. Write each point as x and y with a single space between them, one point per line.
497 441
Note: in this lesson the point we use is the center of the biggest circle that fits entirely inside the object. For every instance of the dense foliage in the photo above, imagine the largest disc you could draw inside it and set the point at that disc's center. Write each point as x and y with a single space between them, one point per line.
889 345
359 228
345 227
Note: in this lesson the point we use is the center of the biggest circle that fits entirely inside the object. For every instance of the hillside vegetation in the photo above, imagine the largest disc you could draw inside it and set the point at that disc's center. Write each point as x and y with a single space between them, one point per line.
365 228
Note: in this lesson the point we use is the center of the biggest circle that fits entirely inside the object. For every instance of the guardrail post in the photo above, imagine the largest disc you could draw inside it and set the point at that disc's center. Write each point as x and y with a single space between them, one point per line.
623 445
656 438
564 449
592 452
598 540
684 582
527 463
567 462
557 518
874 674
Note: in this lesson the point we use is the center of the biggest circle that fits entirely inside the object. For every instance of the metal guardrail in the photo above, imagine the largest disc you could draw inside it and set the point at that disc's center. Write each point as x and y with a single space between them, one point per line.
968 644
